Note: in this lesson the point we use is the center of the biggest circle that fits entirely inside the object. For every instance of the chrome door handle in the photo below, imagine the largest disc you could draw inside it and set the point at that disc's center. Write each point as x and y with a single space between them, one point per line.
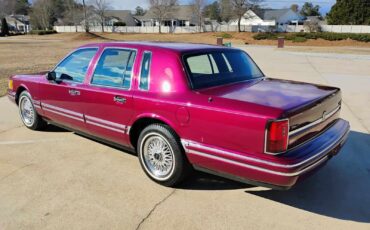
74 92
119 99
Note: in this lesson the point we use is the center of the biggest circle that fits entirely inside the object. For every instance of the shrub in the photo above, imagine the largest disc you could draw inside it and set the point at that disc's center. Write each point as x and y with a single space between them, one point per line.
298 37
265 36
119 24
43 32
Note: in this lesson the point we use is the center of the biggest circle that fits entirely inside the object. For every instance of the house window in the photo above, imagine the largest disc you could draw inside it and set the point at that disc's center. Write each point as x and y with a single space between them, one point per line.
182 23
167 23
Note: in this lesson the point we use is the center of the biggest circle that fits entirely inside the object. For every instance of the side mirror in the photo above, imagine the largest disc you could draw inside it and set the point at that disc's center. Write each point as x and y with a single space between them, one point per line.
51 76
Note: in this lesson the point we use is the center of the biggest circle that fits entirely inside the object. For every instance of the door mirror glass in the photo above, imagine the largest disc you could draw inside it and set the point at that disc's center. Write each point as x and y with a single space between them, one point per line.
51 76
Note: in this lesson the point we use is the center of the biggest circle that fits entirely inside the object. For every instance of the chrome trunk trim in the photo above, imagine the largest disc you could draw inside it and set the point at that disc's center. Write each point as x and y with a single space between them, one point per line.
316 122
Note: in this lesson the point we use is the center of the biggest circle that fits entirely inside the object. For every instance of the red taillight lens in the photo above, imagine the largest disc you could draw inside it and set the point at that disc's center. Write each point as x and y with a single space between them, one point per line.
277 136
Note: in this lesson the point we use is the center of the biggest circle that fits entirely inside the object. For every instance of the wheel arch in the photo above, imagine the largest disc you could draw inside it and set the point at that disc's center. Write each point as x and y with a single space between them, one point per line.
19 90
141 122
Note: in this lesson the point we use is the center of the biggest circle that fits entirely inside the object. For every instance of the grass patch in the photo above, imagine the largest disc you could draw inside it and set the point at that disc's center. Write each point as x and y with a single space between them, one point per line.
299 39
224 35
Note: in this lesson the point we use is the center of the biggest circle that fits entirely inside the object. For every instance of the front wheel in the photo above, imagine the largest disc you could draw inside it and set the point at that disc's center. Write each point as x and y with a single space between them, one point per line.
28 113
161 155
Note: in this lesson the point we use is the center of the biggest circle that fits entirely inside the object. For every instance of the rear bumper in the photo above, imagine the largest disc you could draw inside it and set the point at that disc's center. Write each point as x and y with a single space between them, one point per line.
279 171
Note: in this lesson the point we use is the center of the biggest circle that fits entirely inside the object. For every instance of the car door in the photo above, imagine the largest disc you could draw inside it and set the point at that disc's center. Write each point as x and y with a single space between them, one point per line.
109 106
62 100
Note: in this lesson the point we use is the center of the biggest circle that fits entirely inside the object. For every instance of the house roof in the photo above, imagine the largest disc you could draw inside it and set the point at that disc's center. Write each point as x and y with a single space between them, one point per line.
21 19
180 12
170 46
123 15
274 14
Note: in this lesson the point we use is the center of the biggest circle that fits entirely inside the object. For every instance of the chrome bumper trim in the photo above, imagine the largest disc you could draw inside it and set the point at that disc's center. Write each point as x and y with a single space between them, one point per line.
186 143
259 168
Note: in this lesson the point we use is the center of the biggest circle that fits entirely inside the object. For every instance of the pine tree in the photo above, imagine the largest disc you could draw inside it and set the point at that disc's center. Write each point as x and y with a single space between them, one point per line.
21 7
350 12
4 28
308 9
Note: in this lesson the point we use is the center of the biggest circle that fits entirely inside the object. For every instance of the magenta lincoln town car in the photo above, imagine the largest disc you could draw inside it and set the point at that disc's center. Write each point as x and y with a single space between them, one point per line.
188 106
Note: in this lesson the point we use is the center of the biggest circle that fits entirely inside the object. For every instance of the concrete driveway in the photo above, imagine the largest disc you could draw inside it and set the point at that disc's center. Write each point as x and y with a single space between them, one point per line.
59 180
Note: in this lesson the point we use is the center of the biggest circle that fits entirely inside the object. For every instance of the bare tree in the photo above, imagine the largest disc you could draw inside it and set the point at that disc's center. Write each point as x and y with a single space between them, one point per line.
295 7
198 6
162 9
73 14
240 7
85 16
101 7
226 10
312 25
41 14
6 7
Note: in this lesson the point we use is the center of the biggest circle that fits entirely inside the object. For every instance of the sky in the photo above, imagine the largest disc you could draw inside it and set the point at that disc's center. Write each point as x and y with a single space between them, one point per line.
131 4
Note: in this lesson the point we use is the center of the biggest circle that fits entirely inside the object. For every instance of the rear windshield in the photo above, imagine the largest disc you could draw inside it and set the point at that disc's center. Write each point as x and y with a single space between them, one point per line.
214 68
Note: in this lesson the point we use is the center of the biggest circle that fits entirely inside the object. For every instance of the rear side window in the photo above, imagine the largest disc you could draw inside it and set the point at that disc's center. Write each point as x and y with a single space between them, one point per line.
202 64
145 71
114 68
74 67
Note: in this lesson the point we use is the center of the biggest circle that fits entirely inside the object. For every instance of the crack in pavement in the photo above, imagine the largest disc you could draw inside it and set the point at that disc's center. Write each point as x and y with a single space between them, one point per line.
7 130
14 171
154 208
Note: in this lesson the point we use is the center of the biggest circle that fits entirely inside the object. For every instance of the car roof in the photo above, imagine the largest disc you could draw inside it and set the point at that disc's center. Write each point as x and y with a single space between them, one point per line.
170 46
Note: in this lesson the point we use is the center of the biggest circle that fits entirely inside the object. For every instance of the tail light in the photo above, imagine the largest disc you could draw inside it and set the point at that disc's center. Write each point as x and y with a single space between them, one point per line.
277 135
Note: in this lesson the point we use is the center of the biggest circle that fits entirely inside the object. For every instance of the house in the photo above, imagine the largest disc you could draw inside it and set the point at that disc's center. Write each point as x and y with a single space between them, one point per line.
113 16
18 23
316 19
268 17
181 15
122 16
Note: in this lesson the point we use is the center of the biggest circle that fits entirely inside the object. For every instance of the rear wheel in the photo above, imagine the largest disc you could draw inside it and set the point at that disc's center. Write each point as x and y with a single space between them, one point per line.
161 155
28 113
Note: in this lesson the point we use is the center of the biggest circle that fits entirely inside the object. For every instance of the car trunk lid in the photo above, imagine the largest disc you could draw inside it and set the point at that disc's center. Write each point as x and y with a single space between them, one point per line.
310 108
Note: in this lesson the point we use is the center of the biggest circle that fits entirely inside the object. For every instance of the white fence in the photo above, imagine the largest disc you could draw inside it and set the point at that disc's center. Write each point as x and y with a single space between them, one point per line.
345 29
150 29
210 28
329 28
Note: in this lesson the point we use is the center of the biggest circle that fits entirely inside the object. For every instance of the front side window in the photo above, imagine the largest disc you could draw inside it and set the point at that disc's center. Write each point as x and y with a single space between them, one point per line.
114 68
145 69
74 67
216 68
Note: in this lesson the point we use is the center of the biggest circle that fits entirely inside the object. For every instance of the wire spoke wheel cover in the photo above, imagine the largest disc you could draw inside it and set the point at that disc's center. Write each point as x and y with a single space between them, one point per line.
27 111
158 156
